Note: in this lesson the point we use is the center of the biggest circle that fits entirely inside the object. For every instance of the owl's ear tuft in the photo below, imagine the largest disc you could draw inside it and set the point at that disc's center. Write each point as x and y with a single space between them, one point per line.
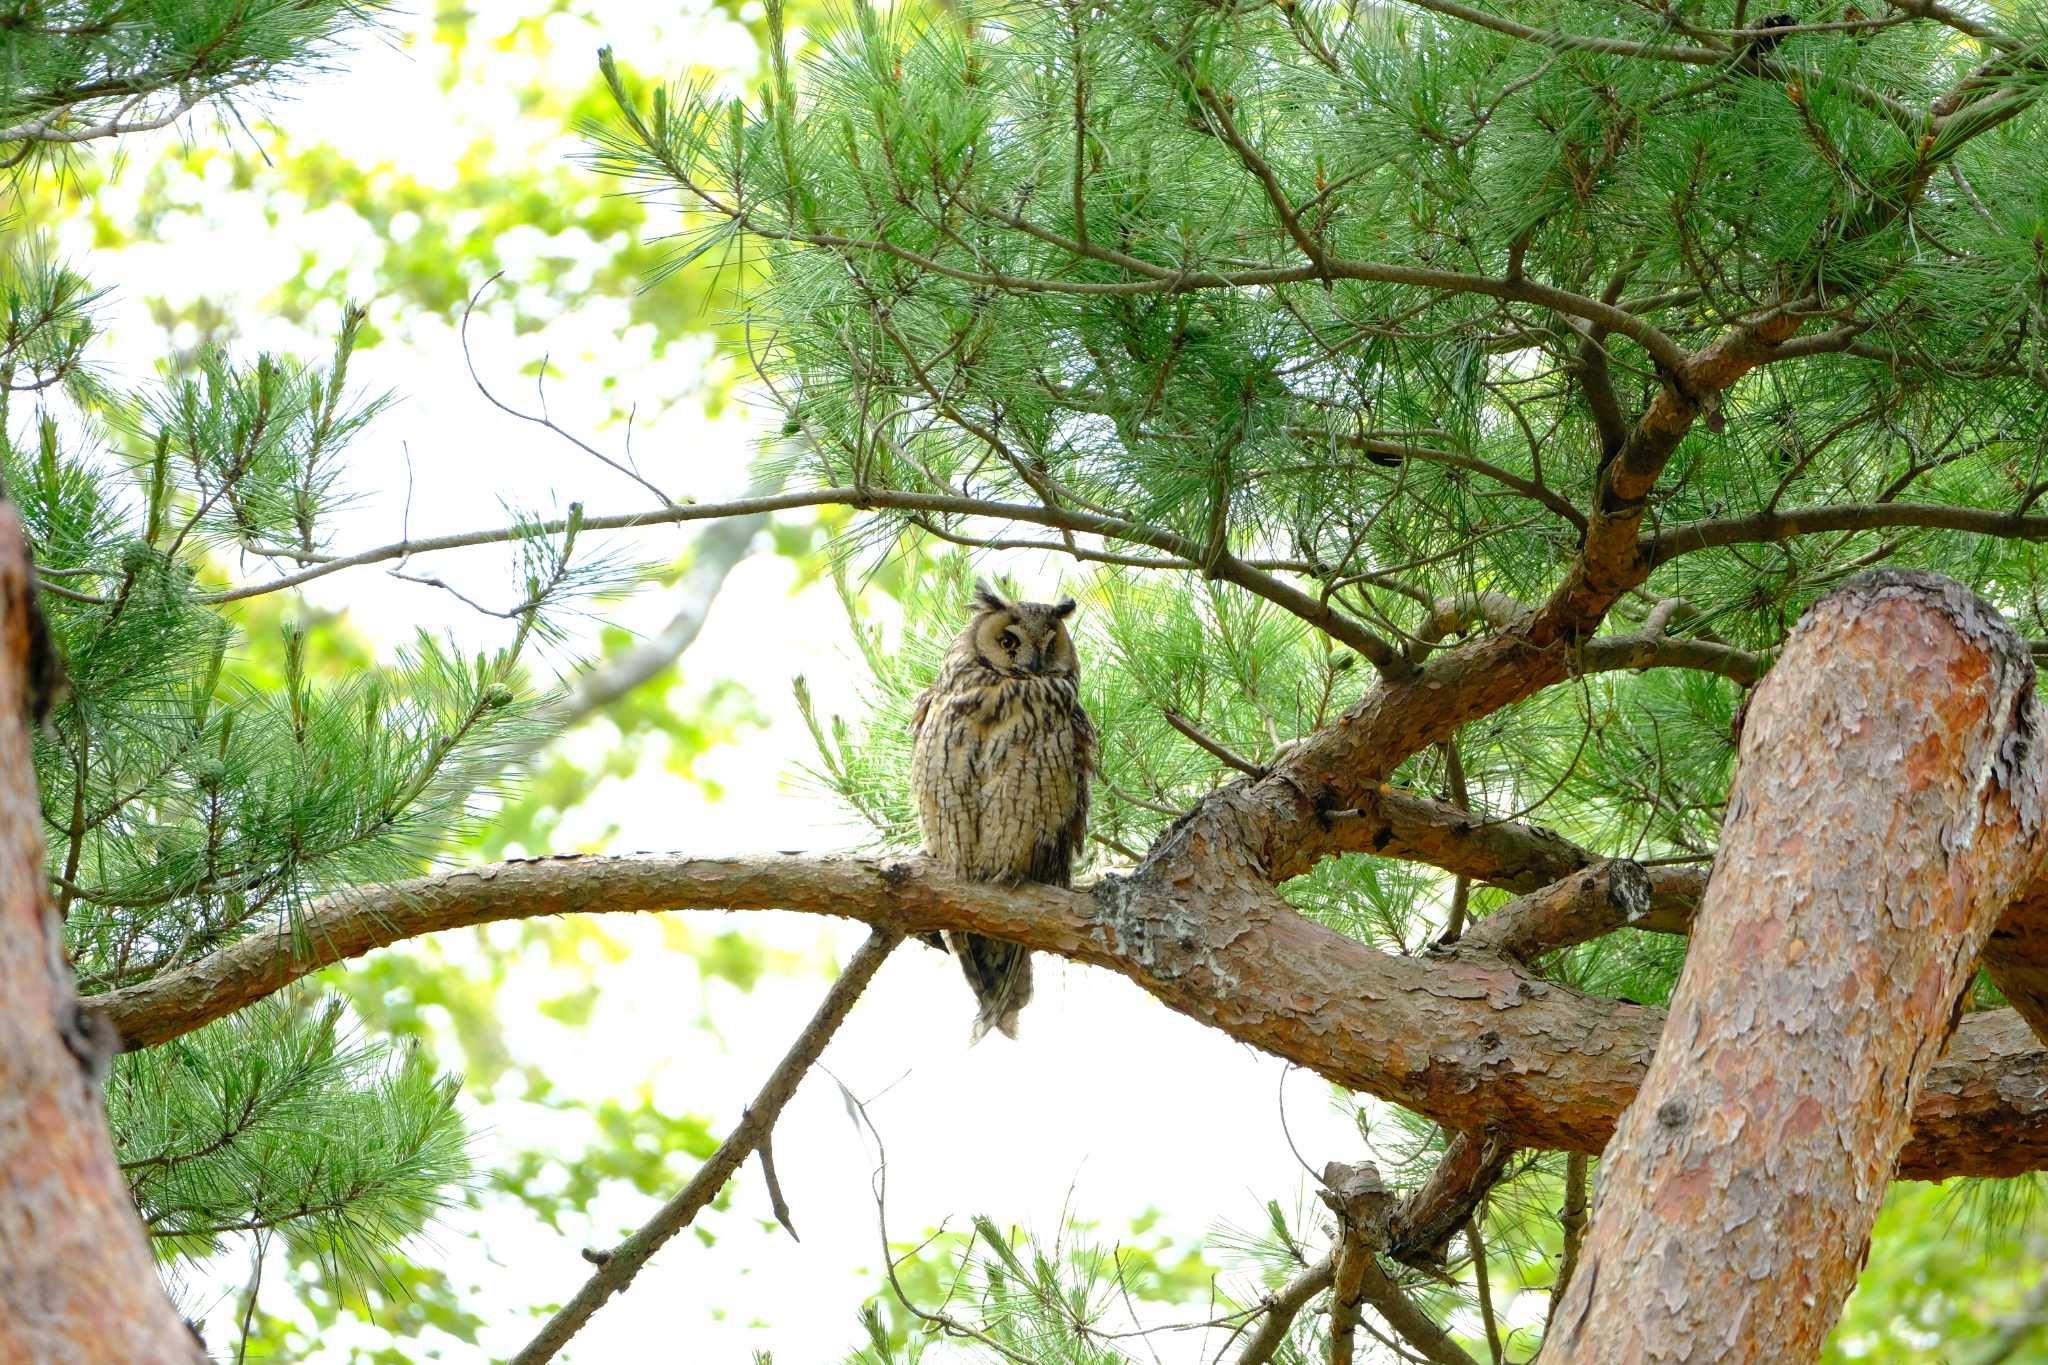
1063 608
986 599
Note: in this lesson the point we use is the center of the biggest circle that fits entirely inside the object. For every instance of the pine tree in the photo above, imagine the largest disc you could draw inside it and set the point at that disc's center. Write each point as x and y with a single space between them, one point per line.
1447 411
1448 414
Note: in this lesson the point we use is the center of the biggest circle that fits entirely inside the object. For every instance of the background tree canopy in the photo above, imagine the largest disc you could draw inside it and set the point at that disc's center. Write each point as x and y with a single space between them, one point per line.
1442 413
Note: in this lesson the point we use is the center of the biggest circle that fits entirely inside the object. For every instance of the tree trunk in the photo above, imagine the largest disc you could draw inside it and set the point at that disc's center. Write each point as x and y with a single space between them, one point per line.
77 1286
2017 958
1886 810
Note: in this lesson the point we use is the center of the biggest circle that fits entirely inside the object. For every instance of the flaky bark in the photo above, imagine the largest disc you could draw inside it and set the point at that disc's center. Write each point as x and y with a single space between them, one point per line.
1887 807
77 1286
1585 905
2017 957
1438 1208
1475 1045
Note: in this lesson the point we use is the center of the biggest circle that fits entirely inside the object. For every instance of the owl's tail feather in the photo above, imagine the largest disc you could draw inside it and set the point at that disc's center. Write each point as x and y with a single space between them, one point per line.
1000 975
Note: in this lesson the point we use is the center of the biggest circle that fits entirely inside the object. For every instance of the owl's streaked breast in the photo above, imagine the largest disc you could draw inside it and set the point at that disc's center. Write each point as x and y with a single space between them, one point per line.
997 772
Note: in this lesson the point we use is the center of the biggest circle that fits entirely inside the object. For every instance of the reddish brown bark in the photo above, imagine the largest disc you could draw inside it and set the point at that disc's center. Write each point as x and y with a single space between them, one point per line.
1475 1045
77 1286
1887 807
1438 1208
1578 908
2017 957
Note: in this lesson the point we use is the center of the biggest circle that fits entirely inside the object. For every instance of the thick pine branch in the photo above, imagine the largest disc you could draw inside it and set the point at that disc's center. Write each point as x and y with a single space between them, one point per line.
1475 1046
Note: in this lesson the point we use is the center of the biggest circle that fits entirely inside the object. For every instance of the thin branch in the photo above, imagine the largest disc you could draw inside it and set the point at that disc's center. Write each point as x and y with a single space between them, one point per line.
540 419
1281 1308
1226 755
1613 895
1770 527
1574 42
1572 1217
776 1203
939 1321
1482 1282
50 129
623 1262
1461 797
1230 568
1532 489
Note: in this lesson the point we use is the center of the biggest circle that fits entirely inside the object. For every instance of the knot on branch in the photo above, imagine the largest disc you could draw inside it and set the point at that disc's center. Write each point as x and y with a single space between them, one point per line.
1362 1202
1629 889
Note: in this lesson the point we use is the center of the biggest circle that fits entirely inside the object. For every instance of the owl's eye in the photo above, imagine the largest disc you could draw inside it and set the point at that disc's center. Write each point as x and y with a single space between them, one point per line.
1008 640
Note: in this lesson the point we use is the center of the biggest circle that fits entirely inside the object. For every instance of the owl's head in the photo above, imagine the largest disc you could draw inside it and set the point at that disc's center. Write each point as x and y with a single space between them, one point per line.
1022 639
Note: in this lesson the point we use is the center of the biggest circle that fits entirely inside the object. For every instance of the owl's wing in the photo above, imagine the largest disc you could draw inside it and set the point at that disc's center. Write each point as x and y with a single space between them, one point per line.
1084 768
943 757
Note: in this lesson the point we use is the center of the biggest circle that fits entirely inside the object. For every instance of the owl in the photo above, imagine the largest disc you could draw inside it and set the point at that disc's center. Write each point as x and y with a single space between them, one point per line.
999 768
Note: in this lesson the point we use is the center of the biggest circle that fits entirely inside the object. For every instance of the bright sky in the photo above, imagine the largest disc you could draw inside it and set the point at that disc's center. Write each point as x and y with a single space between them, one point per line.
1109 1102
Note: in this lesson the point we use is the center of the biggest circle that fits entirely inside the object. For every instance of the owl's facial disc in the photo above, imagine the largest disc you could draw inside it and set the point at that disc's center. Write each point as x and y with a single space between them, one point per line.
1024 639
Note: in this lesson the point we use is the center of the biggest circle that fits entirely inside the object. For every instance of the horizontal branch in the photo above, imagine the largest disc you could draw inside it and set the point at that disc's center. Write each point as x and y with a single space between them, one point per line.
1765 527
1618 653
52 130
1398 824
1588 904
1471 1045
1227 567
1574 42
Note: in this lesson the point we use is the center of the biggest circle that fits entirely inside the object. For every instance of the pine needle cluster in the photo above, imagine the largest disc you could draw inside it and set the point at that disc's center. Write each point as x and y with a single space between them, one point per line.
211 768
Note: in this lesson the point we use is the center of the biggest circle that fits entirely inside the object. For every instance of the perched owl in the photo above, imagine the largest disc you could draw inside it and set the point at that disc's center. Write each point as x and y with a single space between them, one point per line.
1000 772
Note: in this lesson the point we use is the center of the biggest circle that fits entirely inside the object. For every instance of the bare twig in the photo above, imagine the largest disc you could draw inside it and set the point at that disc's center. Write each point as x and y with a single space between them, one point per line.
1461 889
623 1262
540 419
940 1320
1223 752
1067 518
1482 1282
776 1202
1573 1219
